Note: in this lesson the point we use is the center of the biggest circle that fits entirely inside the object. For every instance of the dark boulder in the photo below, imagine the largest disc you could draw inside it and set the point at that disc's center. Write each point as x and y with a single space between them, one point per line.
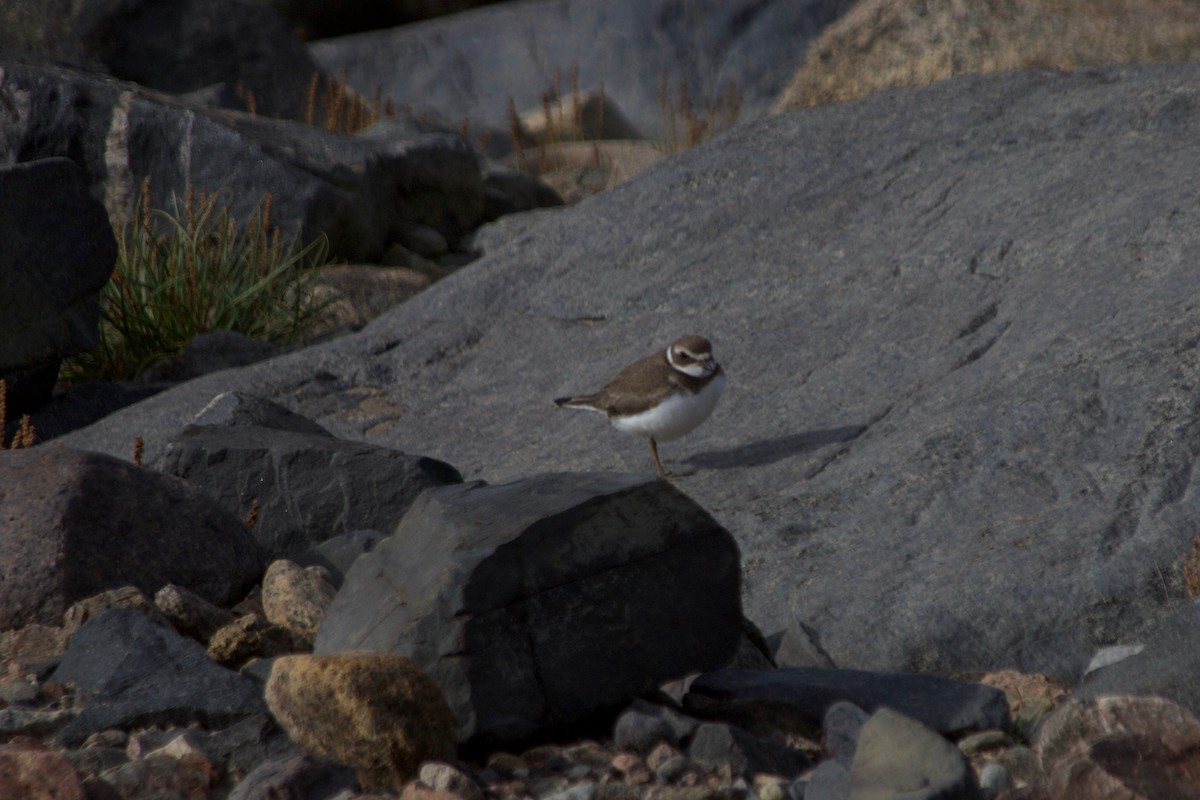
74 523
537 603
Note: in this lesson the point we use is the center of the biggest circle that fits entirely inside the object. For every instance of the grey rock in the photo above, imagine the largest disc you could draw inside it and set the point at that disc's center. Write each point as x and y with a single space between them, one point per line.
17 721
320 20
985 287
296 778
494 235
75 524
829 781
133 673
640 731
900 758
945 705
338 553
994 778
190 613
244 410
1167 665
213 351
250 742
841 727
84 404
354 190
173 47
309 487
539 602
89 762
511 51
58 253
797 645
716 744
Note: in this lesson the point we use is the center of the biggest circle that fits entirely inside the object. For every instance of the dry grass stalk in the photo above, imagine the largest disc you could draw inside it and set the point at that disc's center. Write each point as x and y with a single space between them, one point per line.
514 130
1191 570
252 515
139 449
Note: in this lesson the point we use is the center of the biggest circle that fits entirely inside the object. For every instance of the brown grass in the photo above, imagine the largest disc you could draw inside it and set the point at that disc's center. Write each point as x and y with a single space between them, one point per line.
1191 570
881 44
25 435
686 126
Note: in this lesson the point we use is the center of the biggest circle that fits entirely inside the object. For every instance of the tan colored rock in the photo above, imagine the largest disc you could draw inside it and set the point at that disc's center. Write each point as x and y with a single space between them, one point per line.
1118 746
374 711
443 777
296 598
34 774
882 44
576 170
34 644
190 613
247 637
122 597
581 115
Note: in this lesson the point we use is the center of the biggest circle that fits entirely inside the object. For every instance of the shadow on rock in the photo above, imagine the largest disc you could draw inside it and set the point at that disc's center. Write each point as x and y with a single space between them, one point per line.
768 451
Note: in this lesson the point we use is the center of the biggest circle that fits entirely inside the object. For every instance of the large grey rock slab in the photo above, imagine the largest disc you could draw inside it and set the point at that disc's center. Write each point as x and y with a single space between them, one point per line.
946 706
470 65
131 673
309 486
75 523
58 253
539 602
1167 666
359 191
959 325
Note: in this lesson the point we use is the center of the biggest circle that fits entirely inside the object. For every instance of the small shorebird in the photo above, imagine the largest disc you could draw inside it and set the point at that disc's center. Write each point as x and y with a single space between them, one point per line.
662 396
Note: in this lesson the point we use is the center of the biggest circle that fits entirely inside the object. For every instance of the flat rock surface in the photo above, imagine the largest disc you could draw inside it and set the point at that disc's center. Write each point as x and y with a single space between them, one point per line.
960 330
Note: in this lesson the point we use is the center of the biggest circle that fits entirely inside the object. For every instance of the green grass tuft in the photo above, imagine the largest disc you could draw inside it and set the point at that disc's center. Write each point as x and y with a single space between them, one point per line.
203 273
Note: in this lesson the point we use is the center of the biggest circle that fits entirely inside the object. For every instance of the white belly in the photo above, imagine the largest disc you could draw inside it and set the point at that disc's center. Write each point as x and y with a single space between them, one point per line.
678 415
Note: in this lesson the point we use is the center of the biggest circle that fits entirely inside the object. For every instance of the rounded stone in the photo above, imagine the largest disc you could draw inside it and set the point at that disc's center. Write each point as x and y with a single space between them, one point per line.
375 711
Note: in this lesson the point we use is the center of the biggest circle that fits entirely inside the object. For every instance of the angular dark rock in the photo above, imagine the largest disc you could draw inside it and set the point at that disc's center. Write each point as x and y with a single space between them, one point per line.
296 778
806 694
244 410
355 190
212 351
309 487
715 744
175 47
639 731
58 253
537 603
76 523
899 757
338 553
133 673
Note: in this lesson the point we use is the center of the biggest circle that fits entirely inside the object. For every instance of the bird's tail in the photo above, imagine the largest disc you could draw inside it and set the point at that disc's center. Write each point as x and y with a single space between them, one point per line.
584 401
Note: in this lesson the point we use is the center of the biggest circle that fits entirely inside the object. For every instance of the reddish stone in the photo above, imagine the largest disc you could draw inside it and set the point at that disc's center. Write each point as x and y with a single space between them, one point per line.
35 774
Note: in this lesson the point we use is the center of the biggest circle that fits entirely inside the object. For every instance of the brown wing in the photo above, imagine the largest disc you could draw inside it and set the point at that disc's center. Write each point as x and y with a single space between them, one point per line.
641 385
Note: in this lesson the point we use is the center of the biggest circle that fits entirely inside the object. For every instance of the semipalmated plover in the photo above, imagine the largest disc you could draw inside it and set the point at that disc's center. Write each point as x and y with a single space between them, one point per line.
662 396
